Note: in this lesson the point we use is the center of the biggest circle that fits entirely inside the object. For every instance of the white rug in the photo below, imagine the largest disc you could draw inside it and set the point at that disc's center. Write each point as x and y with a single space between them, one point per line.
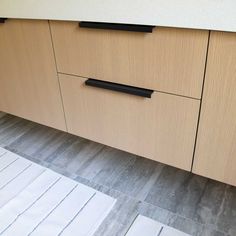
37 201
148 227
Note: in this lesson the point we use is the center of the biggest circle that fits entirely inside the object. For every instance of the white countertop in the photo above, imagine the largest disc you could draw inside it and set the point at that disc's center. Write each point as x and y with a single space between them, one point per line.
199 14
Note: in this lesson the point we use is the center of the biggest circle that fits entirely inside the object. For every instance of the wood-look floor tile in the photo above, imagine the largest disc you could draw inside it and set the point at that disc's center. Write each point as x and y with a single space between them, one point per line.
49 148
193 228
137 179
116 162
32 140
7 121
2 114
209 206
227 216
167 192
156 213
105 166
209 231
76 155
171 196
191 193
61 148
13 131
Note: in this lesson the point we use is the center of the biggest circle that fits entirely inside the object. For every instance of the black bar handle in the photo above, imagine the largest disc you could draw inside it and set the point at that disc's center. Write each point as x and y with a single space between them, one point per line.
147 93
116 26
2 20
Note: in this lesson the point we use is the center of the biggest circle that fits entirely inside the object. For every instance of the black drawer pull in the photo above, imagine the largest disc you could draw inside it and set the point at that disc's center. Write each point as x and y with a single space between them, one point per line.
147 93
2 20
115 26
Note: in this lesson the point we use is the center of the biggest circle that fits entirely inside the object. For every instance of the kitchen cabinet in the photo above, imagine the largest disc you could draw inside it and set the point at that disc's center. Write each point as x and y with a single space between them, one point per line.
45 68
168 59
29 85
161 128
216 142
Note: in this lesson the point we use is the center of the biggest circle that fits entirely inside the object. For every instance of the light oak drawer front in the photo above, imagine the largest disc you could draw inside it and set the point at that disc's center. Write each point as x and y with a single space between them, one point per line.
29 85
161 128
169 60
216 143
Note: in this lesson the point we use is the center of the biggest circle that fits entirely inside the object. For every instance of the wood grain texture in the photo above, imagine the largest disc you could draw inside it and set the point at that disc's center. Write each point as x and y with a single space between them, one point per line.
170 60
216 143
29 85
161 128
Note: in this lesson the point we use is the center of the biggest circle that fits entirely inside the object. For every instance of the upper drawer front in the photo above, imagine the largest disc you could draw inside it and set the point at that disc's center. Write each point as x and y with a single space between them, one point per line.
169 60
162 127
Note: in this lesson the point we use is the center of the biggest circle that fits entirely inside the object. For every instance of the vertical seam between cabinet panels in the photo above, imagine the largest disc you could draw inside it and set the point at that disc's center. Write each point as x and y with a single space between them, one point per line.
201 100
59 84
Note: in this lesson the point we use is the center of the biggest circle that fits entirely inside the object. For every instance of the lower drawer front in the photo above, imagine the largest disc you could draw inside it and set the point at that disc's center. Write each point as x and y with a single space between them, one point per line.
162 128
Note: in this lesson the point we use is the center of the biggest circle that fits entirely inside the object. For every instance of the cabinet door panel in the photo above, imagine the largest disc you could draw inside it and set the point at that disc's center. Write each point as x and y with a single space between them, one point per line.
216 143
29 86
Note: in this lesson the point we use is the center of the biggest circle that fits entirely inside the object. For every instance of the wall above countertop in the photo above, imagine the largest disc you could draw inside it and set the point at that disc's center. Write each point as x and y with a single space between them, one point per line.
197 14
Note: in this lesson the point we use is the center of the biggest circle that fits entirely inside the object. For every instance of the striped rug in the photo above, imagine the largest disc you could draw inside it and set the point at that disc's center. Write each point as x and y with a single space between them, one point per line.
37 201
148 227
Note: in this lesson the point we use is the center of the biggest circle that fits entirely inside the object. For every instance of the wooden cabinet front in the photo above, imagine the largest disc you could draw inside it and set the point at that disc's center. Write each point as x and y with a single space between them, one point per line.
161 128
216 143
29 85
169 60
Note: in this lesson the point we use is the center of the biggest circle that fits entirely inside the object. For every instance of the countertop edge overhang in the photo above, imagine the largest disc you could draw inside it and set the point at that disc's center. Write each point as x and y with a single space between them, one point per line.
217 15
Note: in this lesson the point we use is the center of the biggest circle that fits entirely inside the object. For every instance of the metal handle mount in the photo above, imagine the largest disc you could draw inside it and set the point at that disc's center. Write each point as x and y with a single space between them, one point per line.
147 93
116 26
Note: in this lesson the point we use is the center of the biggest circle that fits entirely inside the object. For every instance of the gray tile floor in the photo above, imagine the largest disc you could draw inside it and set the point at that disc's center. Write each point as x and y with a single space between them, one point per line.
187 202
